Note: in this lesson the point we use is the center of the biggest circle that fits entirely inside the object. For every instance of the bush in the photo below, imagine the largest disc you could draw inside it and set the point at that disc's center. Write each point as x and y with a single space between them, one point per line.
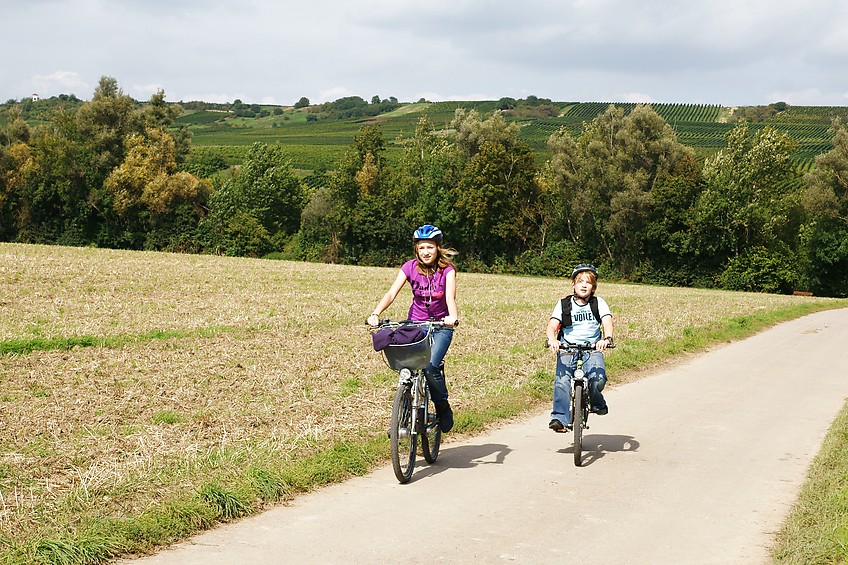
761 270
243 235
556 260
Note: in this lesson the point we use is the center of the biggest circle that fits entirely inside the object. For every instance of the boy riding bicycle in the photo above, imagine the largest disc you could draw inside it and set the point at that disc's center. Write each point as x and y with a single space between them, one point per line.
579 318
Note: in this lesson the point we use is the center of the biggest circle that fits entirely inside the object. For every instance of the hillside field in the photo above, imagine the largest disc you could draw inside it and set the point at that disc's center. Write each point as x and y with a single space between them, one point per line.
317 145
146 395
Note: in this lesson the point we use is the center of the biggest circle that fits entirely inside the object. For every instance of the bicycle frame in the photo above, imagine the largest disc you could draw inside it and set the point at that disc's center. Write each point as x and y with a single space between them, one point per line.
579 393
579 378
420 401
411 416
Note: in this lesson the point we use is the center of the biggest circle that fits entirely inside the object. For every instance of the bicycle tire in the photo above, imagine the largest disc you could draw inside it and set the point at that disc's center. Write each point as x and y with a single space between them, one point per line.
577 416
403 440
431 440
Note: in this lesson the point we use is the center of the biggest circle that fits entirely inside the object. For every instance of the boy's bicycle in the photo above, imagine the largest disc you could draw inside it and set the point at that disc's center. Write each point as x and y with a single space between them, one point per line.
579 396
412 416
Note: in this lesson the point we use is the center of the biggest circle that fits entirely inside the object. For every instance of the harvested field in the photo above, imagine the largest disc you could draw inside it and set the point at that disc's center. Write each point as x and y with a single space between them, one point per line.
184 372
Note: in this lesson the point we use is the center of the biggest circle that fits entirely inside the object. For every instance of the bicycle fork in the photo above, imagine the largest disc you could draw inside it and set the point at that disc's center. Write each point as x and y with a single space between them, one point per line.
420 416
579 377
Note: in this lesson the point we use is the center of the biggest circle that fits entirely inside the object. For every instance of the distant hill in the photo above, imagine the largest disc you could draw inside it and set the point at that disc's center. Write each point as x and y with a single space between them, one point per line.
318 141
317 135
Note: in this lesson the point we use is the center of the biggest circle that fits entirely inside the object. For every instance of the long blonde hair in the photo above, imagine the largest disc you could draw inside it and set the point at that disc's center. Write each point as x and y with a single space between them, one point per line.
444 256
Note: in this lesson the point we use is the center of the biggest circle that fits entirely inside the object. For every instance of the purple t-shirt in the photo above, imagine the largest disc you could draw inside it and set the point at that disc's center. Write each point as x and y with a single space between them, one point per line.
428 292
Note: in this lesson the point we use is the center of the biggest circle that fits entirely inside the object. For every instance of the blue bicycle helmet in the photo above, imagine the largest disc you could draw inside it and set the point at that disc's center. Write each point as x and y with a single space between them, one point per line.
427 232
584 267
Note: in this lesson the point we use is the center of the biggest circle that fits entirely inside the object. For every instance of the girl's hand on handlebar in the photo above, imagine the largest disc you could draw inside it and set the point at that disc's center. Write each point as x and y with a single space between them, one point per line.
450 320
373 320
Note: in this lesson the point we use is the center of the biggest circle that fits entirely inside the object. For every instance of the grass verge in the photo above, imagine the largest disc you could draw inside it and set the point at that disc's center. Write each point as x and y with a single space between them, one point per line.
816 530
99 539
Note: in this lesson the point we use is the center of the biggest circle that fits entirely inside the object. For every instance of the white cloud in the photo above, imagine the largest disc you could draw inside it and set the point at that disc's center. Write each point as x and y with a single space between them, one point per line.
59 82
637 97
145 91
810 97
722 51
333 93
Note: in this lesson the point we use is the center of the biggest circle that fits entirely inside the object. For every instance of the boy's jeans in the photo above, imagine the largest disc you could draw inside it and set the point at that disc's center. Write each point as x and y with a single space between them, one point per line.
593 366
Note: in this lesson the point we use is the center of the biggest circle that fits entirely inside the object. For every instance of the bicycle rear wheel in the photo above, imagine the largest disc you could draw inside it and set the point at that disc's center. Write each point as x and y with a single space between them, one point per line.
403 440
431 439
577 416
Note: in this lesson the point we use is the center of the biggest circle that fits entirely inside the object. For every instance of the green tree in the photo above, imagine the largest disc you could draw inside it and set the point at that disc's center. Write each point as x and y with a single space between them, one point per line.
429 169
748 196
602 184
148 194
47 190
266 189
824 237
496 199
471 131
104 124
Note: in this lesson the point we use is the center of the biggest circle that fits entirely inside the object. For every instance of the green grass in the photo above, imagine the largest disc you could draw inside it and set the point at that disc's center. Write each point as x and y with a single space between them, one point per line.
26 346
816 531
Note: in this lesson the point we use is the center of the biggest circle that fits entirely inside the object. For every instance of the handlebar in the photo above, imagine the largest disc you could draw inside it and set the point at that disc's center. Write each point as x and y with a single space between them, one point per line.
578 347
428 323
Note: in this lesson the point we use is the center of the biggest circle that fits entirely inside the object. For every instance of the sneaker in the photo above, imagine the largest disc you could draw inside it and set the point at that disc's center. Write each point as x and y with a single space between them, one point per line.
602 411
556 425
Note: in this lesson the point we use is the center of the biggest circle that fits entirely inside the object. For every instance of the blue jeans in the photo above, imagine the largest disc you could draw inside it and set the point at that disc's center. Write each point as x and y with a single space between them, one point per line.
442 338
593 366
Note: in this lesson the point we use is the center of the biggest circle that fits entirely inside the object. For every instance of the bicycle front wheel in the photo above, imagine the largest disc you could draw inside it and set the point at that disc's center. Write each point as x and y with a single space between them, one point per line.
403 440
577 416
431 439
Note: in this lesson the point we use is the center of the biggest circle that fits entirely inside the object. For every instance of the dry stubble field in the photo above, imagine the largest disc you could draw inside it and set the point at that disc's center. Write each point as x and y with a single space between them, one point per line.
210 366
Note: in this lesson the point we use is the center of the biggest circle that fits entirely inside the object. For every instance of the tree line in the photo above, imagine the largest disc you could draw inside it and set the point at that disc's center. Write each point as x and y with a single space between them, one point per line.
624 193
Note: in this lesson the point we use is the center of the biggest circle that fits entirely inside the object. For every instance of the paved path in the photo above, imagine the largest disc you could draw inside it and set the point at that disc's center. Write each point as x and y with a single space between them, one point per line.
695 464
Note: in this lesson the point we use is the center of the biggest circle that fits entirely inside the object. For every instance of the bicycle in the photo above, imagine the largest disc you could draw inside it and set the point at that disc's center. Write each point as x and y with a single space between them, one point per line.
411 414
579 396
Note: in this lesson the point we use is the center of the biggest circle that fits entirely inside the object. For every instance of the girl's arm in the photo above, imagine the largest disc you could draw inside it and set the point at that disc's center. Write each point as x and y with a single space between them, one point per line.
388 298
450 298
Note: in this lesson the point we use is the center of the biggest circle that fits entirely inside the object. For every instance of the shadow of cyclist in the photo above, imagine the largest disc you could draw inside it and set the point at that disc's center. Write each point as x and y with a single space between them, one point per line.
465 457
596 446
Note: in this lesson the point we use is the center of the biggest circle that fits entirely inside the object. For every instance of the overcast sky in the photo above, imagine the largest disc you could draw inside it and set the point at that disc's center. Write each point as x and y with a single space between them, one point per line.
728 52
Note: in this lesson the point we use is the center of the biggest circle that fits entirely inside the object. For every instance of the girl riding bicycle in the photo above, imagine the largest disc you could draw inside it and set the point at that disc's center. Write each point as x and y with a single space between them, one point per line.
579 319
432 277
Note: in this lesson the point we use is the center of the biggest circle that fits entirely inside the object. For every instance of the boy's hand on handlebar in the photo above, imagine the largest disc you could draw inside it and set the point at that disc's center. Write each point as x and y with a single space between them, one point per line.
604 343
553 345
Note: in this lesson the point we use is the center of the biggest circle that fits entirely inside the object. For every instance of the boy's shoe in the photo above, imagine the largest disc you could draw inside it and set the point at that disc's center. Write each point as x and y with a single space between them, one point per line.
602 411
556 425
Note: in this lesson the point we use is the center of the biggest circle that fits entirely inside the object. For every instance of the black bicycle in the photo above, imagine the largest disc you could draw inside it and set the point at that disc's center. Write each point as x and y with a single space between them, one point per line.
579 396
412 416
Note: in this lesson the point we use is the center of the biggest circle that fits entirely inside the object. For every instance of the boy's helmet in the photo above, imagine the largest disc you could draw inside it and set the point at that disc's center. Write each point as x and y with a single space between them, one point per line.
584 267
427 232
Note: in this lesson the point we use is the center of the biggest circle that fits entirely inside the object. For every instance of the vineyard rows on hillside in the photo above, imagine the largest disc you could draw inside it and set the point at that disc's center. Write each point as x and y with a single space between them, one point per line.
316 143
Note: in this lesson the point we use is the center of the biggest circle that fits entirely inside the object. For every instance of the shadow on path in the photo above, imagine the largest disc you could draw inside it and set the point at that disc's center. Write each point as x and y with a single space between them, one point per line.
596 446
463 457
